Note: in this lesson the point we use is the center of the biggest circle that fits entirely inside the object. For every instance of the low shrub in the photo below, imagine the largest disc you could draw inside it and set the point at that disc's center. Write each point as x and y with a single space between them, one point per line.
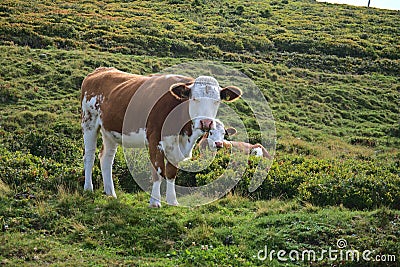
358 184
8 95
365 141
25 172
355 184
47 145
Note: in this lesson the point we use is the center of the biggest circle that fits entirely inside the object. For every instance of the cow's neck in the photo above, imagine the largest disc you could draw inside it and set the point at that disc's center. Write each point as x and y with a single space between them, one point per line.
186 143
179 147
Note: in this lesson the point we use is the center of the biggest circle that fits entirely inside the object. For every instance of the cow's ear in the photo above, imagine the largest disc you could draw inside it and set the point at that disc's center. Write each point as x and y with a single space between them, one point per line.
230 131
180 90
230 93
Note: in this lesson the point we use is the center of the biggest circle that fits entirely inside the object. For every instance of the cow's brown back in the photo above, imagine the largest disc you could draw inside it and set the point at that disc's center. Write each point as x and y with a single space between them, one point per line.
115 90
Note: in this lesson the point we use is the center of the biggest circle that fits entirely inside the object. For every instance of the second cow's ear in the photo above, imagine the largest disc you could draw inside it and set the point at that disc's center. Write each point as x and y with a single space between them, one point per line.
180 90
230 131
230 93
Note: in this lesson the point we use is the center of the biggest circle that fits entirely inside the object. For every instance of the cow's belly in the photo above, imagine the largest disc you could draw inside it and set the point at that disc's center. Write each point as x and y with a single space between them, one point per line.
176 148
134 139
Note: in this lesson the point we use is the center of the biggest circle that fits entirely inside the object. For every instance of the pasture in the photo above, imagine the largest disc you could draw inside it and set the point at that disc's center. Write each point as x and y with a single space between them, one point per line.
329 74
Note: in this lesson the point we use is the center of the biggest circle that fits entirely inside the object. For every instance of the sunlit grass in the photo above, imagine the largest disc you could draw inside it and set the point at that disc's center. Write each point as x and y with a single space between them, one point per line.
329 74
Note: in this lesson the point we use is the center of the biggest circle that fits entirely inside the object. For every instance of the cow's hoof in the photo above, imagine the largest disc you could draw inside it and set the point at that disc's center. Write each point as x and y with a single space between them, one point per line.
154 203
175 203
112 194
88 187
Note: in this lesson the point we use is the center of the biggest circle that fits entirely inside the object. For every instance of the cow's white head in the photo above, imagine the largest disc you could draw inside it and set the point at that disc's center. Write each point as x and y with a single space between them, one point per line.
216 136
204 97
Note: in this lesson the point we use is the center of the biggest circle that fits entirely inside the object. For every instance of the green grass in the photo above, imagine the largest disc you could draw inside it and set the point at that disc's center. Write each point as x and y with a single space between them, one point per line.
70 228
328 72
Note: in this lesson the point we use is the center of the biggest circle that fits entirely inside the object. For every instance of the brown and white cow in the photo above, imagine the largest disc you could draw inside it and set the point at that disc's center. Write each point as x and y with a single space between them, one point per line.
214 139
138 109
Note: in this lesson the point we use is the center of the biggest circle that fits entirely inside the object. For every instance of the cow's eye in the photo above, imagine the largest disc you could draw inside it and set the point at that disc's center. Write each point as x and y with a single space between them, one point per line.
210 133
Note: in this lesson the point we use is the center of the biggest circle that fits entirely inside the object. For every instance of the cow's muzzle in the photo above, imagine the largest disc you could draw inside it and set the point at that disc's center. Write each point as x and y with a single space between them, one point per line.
219 144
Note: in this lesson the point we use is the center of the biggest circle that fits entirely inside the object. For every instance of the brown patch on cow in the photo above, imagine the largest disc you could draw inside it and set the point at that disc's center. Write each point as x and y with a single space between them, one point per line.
117 89
114 90
170 171
246 148
181 91
230 93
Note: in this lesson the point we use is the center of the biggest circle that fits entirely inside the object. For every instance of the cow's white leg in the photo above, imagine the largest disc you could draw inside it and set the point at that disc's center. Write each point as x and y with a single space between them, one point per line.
170 194
90 138
170 172
106 162
155 199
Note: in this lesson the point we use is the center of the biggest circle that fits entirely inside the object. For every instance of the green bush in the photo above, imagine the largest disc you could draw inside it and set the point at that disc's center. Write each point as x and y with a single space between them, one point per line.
266 13
123 176
60 149
25 172
8 95
365 141
23 35
355 184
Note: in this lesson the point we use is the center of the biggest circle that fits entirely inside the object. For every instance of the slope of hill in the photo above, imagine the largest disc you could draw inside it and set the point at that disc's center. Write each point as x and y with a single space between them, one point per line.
329 73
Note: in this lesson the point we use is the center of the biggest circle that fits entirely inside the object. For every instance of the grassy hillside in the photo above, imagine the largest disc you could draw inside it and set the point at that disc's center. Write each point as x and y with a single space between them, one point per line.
328 72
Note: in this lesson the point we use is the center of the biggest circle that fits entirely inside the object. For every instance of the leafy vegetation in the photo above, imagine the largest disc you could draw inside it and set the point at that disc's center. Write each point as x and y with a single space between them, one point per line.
328 72
71 228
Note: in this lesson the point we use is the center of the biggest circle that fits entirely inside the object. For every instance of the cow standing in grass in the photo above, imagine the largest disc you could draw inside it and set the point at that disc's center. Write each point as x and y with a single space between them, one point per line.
106 97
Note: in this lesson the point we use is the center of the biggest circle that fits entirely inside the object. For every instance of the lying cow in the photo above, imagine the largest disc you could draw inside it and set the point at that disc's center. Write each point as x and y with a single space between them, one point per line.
106 97
214 139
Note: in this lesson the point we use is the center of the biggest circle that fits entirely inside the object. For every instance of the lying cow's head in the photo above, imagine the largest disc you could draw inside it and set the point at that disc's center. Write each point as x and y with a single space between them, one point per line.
204 95
216 136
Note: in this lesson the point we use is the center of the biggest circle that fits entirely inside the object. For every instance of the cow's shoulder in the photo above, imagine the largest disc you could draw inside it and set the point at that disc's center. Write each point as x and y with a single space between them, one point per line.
165 81
107 76
103 81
